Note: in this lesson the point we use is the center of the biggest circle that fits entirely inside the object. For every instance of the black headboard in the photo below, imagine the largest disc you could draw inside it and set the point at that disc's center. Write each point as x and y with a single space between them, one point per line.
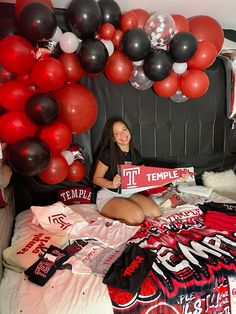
195 133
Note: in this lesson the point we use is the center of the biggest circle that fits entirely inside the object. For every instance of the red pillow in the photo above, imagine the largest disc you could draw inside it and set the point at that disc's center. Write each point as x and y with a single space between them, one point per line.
76 195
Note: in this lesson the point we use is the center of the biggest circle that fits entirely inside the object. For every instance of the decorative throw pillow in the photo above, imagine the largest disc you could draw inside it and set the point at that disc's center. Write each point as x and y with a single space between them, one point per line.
223 183
76 195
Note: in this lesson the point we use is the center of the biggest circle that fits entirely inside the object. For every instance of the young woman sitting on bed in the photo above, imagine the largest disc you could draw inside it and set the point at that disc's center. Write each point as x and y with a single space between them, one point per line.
117 148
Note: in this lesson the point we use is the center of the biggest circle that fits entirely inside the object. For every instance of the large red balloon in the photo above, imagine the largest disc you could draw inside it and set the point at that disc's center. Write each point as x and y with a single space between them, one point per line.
56 170
128 20
142 15
57 135
20 4
76 172
181 23
48 74
78 107
72 67
205 27
194 83
119 68
168 86
16 54
204 56
13 95
15 126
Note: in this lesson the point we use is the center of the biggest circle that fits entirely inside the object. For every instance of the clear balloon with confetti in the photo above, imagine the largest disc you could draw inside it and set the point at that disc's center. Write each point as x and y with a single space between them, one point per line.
139 80
160 28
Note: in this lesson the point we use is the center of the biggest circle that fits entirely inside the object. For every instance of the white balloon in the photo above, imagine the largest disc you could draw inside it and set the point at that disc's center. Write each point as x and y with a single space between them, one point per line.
57 35
138 63
69 42
69 156
109 45
179 68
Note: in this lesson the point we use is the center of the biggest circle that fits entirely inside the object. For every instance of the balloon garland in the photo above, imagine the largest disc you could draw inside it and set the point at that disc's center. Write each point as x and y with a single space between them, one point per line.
42 101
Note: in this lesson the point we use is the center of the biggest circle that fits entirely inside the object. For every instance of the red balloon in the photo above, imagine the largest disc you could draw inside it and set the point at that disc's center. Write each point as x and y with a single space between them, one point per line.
205 27
57 135
72 67
119 68
204 56
25 78
76 172
107 31
168 86
128 20
78 107
20 4
16 54
142 15
181 23
13 95
56 170
15 126
194 83
116 39
48 74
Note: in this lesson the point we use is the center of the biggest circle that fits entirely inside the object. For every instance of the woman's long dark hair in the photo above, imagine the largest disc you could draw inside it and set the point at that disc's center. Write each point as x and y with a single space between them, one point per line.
108 143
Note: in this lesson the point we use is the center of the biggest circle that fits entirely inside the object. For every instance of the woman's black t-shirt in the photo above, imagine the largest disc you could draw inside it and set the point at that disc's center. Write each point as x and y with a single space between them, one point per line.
105 159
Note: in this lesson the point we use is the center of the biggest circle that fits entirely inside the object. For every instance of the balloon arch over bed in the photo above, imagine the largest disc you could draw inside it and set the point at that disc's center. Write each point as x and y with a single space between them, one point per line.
40 93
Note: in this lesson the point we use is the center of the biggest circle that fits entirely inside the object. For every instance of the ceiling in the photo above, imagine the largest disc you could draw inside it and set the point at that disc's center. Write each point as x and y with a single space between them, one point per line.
223 11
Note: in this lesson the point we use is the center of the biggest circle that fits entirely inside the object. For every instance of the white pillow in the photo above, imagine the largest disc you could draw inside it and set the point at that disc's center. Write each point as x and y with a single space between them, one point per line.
223 182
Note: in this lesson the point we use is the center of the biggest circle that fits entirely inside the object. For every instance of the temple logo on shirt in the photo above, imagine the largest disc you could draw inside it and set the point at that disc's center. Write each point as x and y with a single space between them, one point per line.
134 265
79 195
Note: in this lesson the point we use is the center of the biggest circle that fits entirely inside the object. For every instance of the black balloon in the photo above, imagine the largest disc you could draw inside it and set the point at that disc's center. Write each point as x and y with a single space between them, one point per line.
29 156
182 46
8 27
157 65
84 17
6 76
135 44
42 108
37 21
93 55
111 12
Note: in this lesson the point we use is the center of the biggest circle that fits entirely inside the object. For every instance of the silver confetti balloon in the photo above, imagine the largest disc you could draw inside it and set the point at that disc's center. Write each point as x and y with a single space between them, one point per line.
160 29
139 80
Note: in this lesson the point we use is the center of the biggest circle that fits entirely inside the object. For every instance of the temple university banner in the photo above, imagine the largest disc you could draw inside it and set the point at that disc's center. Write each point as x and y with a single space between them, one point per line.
141 178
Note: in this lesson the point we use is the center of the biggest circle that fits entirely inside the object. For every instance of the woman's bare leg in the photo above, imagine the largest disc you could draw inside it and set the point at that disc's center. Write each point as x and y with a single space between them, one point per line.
149 207
124 210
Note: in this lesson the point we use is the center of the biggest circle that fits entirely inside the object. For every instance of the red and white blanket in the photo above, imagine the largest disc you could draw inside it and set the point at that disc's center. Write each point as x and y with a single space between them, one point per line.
194 271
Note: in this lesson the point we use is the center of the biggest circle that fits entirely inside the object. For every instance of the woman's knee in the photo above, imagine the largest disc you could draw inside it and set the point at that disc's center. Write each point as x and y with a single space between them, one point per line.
135 217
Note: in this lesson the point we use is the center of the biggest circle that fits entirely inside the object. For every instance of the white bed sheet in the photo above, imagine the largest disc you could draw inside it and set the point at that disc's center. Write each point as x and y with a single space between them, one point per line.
64 293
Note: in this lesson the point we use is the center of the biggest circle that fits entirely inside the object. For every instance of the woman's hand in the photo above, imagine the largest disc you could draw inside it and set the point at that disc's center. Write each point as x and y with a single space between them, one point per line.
116 181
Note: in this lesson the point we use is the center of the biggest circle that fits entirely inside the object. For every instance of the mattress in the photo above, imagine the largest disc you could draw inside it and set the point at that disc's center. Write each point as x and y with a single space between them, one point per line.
187 276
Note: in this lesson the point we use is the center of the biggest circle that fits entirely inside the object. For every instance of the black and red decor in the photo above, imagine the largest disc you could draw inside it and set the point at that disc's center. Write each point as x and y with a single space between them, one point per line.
168 133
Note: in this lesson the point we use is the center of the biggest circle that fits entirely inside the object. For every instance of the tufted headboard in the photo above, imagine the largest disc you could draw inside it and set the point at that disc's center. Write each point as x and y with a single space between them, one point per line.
194 133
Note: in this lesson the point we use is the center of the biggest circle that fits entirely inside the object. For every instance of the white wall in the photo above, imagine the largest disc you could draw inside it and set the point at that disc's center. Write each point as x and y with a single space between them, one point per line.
224 11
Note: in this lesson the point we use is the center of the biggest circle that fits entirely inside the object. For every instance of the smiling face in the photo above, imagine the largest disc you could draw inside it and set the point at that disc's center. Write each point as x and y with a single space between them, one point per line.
121 135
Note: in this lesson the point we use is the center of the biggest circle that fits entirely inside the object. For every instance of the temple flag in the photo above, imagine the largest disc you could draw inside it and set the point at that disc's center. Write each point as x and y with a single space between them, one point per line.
140 178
